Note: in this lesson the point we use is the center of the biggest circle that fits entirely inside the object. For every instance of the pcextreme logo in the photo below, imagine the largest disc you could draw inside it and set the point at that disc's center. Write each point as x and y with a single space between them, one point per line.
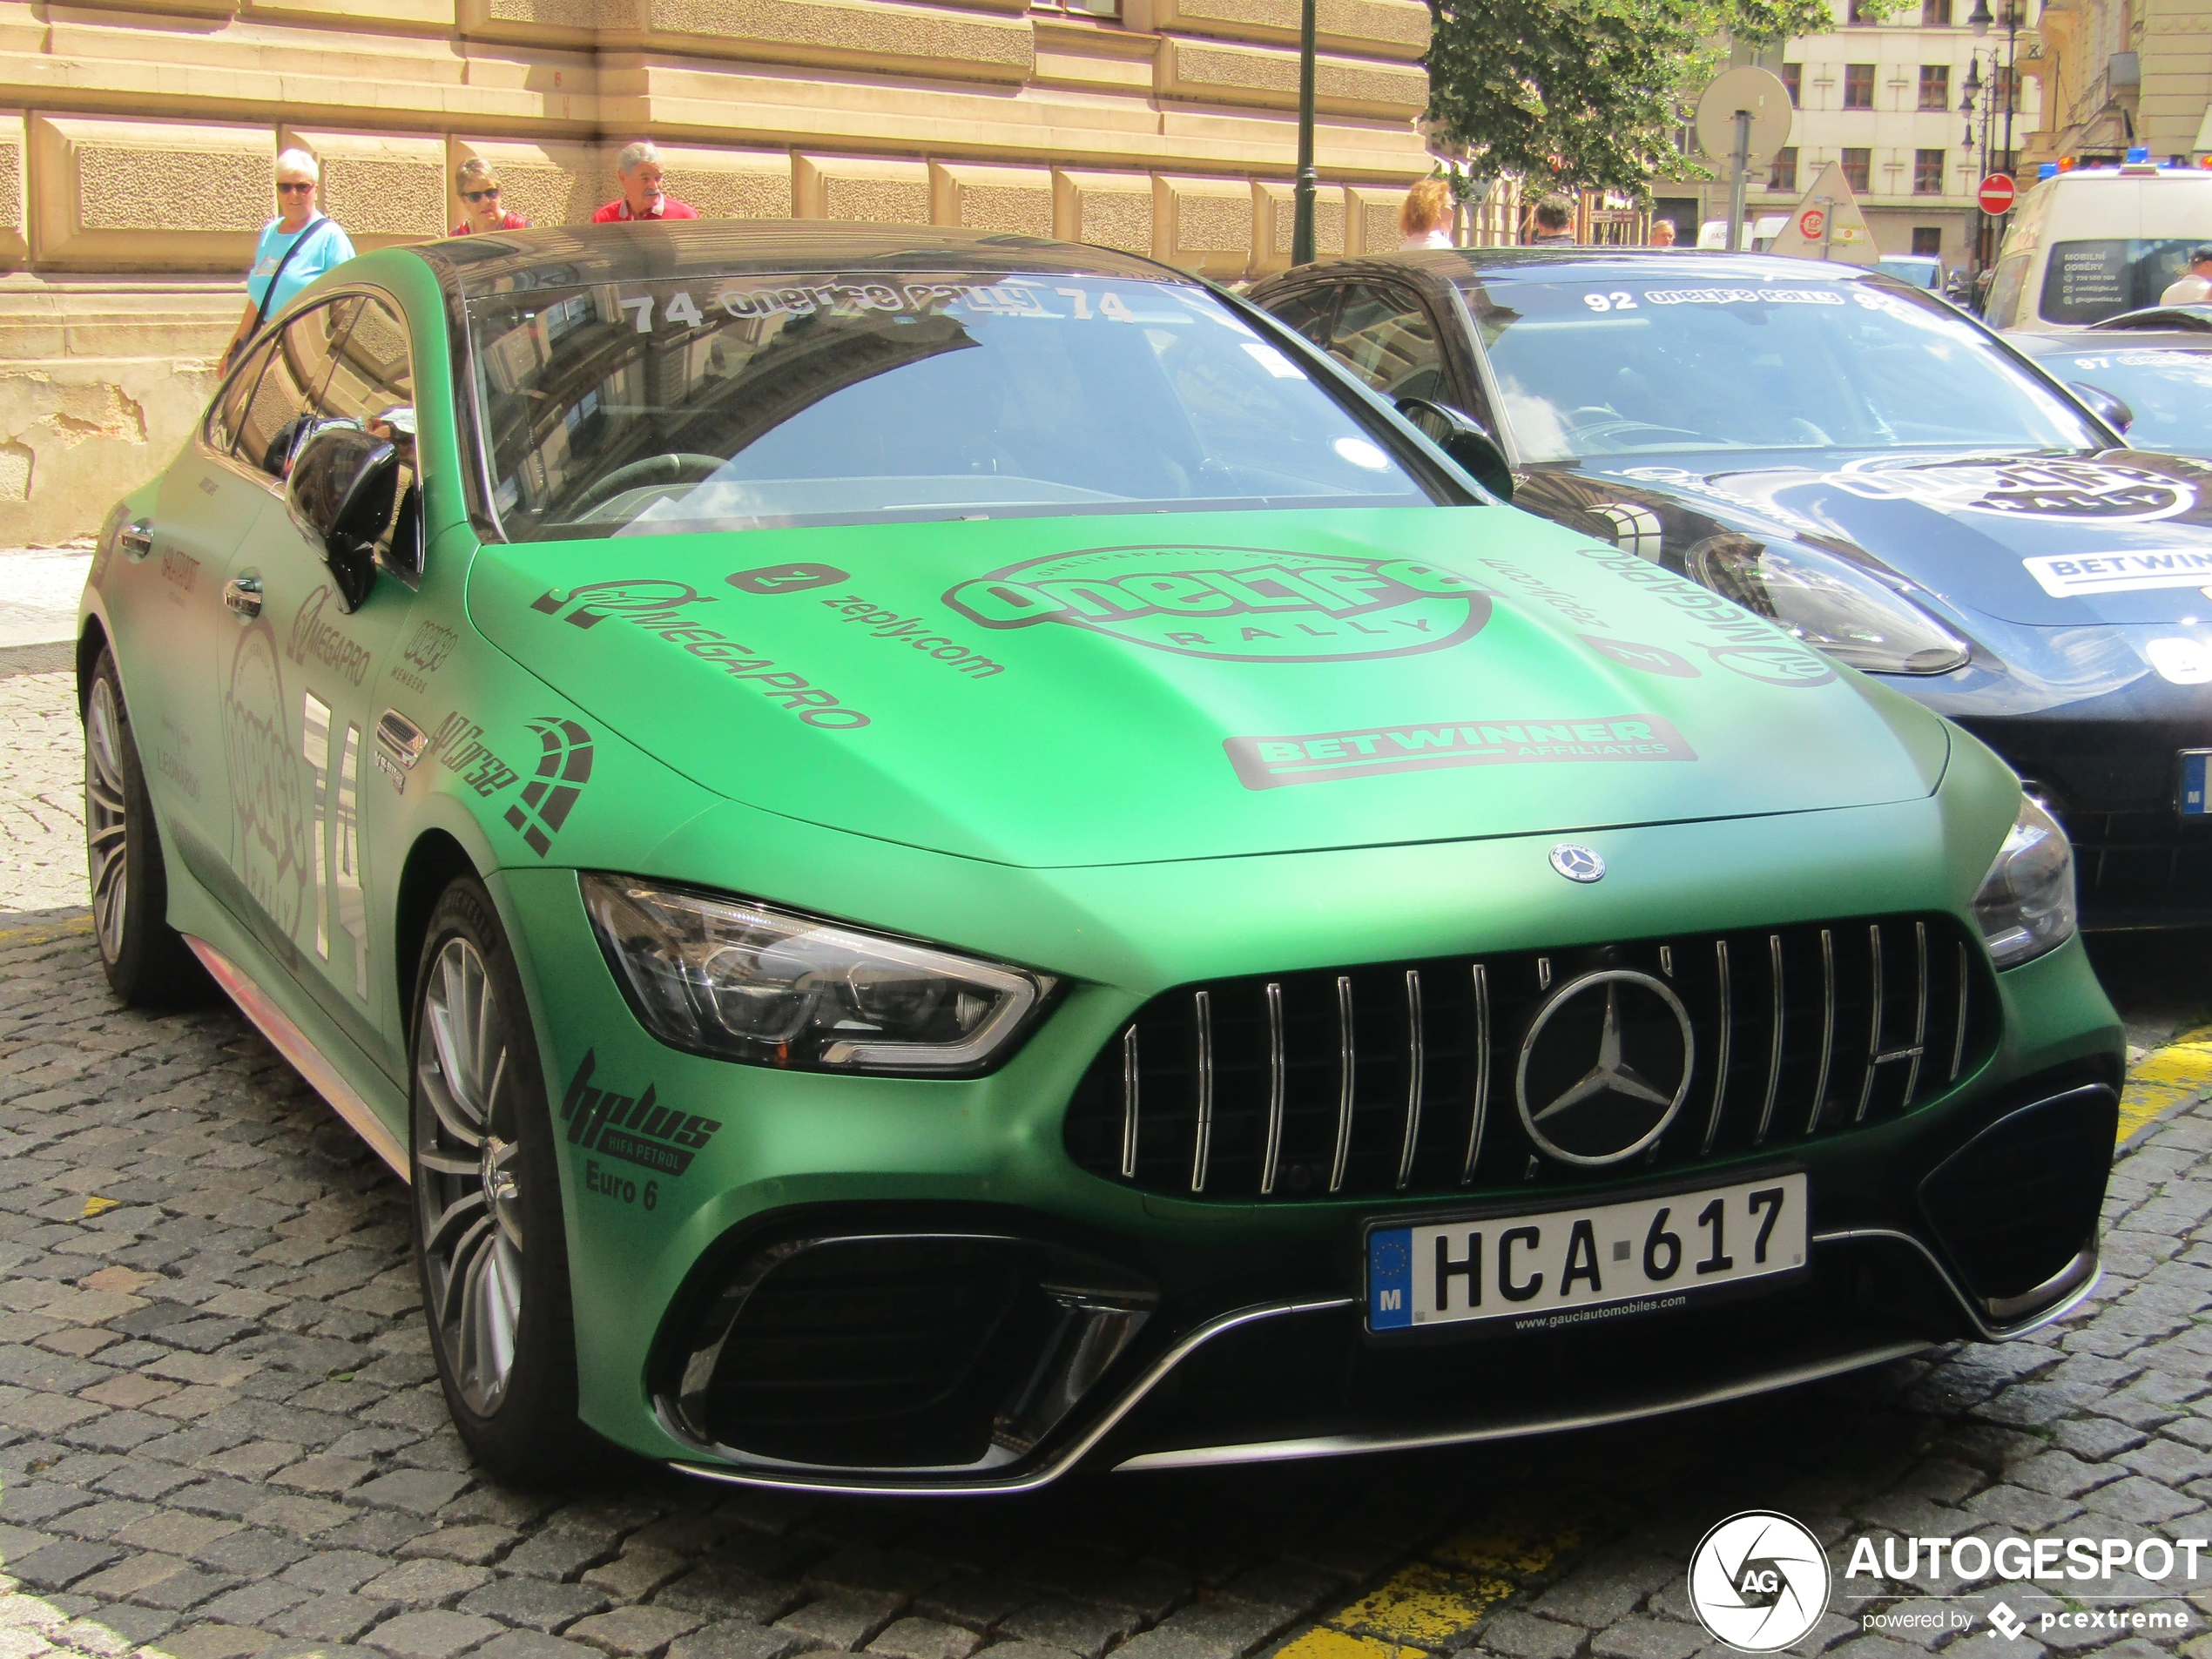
1235 603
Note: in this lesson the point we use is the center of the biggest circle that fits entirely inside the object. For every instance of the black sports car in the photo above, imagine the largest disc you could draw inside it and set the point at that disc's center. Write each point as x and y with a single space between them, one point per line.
2158 363
1852 457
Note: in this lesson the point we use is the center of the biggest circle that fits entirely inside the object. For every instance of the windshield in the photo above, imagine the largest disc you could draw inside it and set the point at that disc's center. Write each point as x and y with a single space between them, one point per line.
2170 390
2091 280
1628 365
656 408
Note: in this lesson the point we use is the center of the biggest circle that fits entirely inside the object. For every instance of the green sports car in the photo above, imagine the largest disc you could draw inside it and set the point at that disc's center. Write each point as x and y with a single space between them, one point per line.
944 857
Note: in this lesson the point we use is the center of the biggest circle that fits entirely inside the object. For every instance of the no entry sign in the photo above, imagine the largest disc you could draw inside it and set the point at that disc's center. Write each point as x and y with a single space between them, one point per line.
1997 194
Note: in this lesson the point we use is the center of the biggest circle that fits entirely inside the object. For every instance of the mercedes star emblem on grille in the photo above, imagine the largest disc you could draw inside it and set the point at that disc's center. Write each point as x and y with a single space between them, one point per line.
1577 862
1605 1067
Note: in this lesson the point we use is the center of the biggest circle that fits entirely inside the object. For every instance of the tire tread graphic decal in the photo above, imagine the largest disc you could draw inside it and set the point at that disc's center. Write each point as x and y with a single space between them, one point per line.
564 768
336 819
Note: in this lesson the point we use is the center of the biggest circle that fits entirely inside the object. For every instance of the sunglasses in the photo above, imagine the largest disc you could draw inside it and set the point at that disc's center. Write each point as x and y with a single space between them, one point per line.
491 194
287 187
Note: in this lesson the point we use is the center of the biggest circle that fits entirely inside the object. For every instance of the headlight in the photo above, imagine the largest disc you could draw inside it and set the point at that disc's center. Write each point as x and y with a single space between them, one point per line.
1829 605
741 980
2025 905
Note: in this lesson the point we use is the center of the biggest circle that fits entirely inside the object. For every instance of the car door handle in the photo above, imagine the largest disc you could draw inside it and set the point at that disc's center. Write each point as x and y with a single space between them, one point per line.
243 595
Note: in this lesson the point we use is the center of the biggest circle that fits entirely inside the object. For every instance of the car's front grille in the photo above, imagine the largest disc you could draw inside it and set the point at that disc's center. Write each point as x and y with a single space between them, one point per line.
2141 860
1409 1078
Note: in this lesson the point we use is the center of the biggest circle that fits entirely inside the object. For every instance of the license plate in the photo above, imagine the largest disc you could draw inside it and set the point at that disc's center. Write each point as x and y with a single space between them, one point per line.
1555 1269
2193 781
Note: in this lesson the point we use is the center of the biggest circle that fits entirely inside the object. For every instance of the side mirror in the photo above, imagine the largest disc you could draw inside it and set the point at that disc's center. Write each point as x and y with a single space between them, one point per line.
2113 411
340 492
1464 438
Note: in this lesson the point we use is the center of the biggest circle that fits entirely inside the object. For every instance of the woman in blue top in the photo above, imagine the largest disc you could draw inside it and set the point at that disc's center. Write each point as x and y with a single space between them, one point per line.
298 245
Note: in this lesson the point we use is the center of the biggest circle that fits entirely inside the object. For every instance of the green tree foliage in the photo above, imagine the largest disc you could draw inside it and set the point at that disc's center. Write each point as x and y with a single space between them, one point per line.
1587 94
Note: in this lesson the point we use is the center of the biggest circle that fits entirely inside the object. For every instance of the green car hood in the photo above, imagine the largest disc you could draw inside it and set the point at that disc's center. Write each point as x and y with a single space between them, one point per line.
1104 689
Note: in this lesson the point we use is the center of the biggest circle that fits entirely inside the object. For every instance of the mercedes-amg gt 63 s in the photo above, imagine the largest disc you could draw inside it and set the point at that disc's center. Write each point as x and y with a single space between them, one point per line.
944 857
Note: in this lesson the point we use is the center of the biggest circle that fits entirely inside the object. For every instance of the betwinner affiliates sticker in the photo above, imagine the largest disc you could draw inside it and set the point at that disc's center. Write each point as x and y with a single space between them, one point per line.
1237 603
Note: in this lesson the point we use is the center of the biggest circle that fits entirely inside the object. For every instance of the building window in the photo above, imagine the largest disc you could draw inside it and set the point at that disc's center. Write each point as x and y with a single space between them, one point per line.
1858 86
1935 86
1793 77
1108 9
1928 172
1856 163
1784 174
1928 238
1935 14
1860 12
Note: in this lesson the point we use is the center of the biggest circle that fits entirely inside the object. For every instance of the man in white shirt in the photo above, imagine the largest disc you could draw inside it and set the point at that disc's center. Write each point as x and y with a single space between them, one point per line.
2193 287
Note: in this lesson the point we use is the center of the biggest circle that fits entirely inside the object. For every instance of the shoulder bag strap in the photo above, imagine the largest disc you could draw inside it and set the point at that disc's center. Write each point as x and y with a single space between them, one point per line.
269 294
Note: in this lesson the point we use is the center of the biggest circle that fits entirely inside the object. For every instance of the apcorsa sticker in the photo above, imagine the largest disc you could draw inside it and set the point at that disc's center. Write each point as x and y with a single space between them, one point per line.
1235 603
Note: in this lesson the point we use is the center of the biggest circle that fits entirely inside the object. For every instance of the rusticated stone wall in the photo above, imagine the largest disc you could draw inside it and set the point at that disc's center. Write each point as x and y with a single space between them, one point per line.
136 139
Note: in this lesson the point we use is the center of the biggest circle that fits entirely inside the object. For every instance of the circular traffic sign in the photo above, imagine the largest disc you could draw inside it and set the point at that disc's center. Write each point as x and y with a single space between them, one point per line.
1756 92
1810 223
1997 194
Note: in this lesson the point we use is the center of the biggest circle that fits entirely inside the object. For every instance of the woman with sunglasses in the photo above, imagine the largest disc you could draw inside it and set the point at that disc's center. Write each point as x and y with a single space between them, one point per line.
478 187
298 245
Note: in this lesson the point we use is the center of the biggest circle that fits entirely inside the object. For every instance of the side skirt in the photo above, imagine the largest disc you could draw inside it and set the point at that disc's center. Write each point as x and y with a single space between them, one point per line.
291 1041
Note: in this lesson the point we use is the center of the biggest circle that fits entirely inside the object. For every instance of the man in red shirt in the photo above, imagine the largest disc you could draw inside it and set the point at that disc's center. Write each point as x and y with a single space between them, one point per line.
639 169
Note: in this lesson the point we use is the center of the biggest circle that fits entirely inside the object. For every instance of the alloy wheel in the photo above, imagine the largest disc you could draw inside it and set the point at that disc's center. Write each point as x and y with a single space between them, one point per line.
468 1175
107 840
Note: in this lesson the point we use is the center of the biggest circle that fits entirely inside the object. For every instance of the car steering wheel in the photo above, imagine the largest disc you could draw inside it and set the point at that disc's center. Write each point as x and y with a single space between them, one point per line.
676 468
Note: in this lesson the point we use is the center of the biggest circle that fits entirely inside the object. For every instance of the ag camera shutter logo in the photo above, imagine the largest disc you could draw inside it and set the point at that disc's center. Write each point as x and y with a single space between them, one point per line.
1758 1581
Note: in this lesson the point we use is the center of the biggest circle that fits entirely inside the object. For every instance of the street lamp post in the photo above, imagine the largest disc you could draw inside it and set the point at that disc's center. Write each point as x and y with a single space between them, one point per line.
1302 196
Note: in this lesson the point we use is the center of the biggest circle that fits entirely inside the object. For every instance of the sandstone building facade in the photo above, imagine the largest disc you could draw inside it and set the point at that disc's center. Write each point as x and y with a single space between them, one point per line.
135 143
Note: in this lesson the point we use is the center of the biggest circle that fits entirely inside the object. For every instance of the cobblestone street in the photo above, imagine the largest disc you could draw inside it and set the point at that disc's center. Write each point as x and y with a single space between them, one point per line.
220 1435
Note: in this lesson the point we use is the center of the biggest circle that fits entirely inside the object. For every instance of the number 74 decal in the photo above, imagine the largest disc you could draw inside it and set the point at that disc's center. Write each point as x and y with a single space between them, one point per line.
337 832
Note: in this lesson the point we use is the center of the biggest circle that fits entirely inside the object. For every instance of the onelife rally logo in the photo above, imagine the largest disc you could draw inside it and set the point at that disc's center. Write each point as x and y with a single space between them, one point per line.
1758 1581
2049 489
1236 603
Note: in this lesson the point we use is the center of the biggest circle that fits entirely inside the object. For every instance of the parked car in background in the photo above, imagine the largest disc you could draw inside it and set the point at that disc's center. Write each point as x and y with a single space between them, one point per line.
1921 270
2093 242
1857 460
2158 362
944 857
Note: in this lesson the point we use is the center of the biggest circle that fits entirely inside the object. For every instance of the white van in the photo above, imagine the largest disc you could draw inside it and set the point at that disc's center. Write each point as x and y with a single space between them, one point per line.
2090 244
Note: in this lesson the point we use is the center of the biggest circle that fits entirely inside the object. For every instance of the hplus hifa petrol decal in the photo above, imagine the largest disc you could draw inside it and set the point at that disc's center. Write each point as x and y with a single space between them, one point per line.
660 606
1270 763
1235 603
635 1128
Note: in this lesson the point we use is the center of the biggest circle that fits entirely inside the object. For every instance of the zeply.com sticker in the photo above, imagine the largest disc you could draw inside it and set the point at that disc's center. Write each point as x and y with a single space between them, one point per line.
1235 603
1270 763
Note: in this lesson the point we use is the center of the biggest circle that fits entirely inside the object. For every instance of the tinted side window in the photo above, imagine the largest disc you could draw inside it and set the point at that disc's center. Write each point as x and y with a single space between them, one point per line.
372 386
1307 310
1385 338
229 407
290 386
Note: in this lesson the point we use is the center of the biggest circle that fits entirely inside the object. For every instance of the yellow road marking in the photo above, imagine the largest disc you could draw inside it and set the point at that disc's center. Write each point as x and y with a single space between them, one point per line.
45 932
2164 1080
1433 1602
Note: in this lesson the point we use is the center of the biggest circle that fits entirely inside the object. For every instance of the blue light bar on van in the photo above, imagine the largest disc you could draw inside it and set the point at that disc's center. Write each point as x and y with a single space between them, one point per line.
2139 152
2048 170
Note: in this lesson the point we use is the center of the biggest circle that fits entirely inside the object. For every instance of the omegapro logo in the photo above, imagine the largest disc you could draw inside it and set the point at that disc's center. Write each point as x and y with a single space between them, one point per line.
1235 603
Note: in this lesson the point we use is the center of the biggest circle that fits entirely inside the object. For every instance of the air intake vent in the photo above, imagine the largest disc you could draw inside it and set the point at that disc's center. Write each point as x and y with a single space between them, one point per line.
1464 1073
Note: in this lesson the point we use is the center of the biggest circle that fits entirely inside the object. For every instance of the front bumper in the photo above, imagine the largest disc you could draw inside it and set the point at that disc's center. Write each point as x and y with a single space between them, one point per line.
787 1158
870 1370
